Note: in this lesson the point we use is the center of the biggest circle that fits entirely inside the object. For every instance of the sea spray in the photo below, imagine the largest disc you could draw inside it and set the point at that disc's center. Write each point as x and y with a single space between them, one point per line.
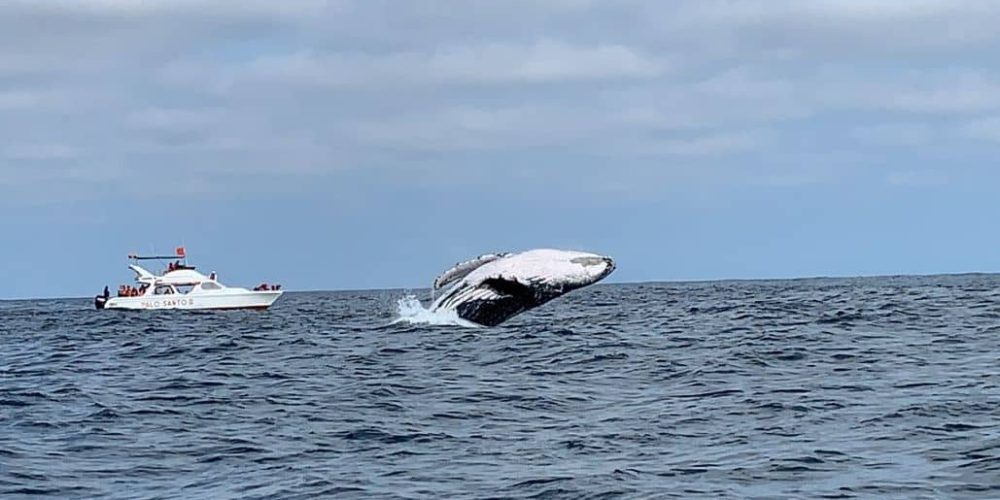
411 311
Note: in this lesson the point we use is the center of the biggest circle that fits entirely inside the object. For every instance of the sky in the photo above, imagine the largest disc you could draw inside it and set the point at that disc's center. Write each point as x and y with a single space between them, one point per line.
373 143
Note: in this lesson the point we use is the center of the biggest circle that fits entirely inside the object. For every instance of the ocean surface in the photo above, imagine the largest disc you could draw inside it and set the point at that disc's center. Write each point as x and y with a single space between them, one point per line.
822 388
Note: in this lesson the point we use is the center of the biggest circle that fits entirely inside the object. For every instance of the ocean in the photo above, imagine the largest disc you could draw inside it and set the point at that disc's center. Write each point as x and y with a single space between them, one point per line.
818 388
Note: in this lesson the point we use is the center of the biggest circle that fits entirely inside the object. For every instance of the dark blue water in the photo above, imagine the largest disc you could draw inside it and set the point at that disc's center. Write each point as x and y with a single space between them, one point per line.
876 388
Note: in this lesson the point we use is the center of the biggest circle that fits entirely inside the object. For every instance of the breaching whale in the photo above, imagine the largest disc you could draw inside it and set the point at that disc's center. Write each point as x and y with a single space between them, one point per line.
492 288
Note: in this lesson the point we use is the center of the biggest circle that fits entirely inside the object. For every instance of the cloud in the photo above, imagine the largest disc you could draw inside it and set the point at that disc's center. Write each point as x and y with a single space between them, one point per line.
481 128
710 144
174 119
895 134
544 61
986 129
43 100
832 29
918 178
947 93
292 92
19 99
21 152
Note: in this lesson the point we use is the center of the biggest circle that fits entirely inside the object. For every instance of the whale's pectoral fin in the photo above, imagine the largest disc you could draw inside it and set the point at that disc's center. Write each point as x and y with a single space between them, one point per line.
462 269
497 299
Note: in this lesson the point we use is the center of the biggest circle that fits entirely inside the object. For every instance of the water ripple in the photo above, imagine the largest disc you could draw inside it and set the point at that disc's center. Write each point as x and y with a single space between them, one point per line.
827 388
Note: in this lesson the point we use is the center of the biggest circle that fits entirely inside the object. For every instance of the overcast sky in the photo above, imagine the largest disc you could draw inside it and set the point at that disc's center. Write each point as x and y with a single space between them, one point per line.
369 144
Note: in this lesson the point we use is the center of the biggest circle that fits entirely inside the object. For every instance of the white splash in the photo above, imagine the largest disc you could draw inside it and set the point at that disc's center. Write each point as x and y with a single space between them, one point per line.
411 311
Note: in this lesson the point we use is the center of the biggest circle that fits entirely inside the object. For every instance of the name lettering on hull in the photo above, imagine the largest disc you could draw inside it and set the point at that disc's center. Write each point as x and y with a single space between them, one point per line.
165 303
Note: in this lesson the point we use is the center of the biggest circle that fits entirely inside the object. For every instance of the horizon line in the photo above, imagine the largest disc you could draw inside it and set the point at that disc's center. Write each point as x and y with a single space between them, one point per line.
681 280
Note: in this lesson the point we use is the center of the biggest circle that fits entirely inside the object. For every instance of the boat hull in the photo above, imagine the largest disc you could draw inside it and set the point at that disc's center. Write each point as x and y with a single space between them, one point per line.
221 301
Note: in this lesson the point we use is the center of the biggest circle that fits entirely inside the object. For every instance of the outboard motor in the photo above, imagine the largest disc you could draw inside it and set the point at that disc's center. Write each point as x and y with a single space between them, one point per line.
101 300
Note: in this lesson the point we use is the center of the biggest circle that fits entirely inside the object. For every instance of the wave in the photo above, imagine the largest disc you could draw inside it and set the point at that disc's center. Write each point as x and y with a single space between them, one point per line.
411 311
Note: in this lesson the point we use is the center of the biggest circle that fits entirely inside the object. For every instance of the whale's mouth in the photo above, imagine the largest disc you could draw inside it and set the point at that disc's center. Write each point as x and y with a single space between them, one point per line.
611 265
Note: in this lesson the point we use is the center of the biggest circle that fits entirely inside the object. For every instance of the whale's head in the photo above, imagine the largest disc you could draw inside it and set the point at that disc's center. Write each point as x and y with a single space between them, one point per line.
563 270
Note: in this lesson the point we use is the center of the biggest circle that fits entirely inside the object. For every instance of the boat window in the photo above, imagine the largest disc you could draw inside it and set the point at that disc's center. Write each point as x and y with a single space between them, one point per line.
184 288
163 290
210 286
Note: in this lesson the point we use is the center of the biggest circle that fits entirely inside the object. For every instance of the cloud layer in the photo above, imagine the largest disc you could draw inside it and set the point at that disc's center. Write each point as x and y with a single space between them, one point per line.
100 98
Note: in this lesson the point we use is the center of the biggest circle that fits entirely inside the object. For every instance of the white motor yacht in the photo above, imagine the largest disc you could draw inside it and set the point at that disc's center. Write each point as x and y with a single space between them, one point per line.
182 287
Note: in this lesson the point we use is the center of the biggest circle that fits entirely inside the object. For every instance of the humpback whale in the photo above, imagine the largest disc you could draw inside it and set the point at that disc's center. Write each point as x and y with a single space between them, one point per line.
492 288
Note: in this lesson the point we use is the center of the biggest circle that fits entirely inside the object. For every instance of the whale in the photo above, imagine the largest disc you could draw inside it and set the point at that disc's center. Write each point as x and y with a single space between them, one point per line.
495 287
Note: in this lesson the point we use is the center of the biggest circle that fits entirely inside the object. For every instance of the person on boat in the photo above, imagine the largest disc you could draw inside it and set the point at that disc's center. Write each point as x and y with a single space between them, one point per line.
107 293
212 277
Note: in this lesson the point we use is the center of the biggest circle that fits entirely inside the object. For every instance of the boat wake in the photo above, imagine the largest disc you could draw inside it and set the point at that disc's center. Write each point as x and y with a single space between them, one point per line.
411 311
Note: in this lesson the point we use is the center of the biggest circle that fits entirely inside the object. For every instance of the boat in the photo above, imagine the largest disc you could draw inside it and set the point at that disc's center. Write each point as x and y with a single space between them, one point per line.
181 286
